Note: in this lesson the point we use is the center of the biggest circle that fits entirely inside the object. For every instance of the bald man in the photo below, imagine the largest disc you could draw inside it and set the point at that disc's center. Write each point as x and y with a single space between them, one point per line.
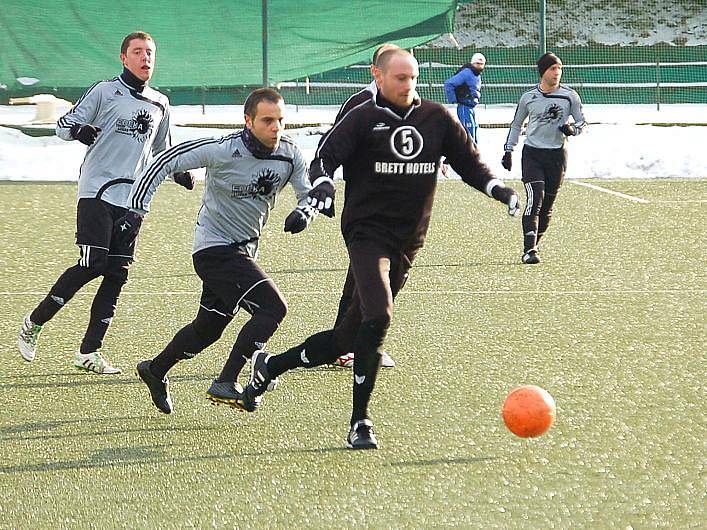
390 148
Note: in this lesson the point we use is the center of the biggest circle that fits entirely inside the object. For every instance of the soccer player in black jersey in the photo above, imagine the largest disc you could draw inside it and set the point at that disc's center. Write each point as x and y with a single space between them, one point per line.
347 358
390 147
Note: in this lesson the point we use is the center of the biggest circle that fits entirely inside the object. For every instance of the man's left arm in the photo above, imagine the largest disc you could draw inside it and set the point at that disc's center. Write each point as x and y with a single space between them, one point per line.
303 214
163 141
576 128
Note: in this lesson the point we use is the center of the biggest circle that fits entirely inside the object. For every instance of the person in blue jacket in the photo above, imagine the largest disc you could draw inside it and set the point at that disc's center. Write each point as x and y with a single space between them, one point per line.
464 89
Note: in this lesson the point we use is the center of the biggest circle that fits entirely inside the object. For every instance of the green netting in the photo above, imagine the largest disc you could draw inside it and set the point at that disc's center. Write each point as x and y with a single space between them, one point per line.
318 51
67 45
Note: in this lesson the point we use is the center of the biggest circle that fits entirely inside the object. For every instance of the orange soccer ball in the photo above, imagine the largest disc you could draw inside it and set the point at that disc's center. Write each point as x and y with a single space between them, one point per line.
529 411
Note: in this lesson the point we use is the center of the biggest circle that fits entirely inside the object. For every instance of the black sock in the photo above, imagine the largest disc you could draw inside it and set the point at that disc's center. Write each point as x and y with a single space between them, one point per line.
185 339
102 313
317 350
232 369
253 336
63 290
530 232
46 309
367 358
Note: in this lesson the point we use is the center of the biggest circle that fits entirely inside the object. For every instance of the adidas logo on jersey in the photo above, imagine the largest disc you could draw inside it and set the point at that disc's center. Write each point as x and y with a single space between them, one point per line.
118 92
237 154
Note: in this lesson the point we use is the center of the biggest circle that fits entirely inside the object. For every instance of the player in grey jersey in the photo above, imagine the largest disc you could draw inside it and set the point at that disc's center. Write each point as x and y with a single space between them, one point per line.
548 107
245 172
123 122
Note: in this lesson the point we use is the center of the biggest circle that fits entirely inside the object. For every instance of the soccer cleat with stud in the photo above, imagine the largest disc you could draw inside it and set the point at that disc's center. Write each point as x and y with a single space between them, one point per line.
260 381
94 362
347 360
227 393
531 257
159 388
361 436
27 340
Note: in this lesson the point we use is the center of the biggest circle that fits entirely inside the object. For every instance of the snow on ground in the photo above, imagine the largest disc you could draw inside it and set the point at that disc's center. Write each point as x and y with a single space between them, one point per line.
496 24
614 146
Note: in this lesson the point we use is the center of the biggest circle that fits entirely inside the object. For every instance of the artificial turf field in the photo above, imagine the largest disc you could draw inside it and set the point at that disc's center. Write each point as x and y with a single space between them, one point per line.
612 323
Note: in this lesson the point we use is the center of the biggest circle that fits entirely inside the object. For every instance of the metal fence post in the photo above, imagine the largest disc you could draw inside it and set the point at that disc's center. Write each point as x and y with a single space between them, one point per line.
657 83
543 36
265 41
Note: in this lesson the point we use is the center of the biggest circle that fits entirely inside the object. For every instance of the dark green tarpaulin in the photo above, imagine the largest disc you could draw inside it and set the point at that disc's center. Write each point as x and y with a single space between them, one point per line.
65 43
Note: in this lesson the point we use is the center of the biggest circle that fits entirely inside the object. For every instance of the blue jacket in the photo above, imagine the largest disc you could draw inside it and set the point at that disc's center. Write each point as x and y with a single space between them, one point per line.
464 87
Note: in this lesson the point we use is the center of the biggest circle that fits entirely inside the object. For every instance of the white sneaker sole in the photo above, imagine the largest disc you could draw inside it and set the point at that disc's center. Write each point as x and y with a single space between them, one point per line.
27 353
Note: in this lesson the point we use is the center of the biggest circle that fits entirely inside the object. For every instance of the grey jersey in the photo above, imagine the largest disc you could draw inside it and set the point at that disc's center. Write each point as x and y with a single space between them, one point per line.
545 113
134 126
240 188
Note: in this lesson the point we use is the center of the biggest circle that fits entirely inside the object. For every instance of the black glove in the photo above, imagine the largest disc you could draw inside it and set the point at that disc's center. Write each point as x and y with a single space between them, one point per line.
321 197
86 134
126 228
184 178
507 160
299 219
507 196
568 129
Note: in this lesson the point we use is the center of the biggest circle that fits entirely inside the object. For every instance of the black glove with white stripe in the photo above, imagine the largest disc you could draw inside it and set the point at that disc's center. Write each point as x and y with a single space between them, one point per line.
321 196
568 129
299 219
184 178
86 134
126 228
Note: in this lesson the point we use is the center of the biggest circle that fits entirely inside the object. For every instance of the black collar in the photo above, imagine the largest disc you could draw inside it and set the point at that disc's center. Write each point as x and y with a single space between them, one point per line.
255 146
132 81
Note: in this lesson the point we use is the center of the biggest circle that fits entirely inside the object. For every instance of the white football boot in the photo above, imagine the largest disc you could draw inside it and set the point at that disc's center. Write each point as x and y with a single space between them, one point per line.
94 362
27 340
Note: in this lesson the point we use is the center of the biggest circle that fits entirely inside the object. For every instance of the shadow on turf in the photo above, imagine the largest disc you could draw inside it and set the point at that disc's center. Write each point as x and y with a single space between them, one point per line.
107 432
86 379
443 461
140 455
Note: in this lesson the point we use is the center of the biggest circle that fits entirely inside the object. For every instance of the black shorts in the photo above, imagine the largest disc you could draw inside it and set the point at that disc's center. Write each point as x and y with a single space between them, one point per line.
546 165
94 228
230 277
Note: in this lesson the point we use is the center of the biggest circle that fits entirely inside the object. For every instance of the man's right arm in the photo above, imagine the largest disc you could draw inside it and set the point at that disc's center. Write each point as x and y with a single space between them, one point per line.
334 149
518 119
450 86
83 113
182 157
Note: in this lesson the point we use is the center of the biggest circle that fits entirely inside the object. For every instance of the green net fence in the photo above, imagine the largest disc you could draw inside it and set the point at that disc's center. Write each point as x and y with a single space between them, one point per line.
614 52
317 52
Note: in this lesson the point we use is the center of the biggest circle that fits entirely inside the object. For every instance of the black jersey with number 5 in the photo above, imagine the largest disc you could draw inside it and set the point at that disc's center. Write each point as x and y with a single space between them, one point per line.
390 158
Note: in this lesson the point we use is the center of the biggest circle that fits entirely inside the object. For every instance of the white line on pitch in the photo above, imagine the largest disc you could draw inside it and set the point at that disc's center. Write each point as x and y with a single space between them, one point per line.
686 201
612 192
409 291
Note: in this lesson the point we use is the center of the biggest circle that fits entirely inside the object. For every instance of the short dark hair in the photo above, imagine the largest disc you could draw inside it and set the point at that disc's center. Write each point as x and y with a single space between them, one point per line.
132 36
260 94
